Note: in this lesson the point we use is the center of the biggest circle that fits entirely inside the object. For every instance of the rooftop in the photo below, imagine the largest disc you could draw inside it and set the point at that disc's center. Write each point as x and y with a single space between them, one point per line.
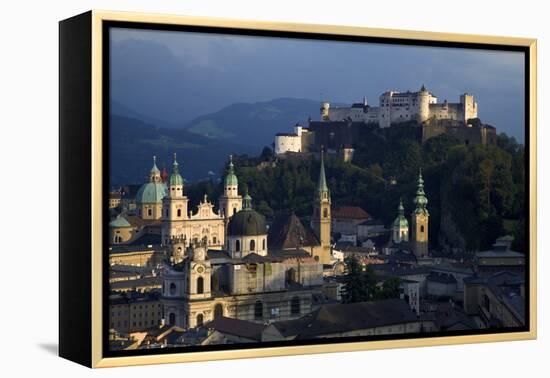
349 212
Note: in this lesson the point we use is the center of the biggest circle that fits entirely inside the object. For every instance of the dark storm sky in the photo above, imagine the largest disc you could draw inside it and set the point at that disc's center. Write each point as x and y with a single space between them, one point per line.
177 76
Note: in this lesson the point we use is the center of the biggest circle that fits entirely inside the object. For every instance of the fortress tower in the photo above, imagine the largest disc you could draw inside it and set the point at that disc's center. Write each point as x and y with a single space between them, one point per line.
468 107
325 109
420 218
423 105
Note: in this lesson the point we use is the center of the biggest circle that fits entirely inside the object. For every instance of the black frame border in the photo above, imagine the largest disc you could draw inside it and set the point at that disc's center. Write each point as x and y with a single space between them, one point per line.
107 25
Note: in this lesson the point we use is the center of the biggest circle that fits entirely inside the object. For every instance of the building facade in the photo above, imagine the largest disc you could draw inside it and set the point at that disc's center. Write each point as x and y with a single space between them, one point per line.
397 107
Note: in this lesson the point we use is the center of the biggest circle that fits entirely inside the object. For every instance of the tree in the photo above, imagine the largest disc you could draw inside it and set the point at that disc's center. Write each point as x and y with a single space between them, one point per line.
359 285
390 288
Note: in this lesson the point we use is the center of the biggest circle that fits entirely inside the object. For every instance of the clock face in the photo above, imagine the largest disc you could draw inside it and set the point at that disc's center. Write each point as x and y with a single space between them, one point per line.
200 269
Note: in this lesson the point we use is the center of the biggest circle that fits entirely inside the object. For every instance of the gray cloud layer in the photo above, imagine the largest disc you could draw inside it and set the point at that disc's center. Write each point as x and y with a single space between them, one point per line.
177 76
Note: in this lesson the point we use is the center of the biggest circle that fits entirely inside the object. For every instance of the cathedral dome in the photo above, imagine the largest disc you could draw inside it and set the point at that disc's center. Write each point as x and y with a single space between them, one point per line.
152 192
247 222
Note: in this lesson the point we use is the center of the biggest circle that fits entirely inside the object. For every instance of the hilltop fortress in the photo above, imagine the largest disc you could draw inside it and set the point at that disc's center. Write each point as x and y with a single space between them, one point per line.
396 107
340 126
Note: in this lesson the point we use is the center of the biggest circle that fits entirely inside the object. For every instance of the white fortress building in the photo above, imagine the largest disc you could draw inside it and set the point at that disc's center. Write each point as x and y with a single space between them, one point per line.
291 142
396 107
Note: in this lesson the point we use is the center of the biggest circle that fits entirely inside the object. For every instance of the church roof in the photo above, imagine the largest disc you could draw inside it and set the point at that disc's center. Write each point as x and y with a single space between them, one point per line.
237 327
337 318
350 212
247 222
287 232
119 221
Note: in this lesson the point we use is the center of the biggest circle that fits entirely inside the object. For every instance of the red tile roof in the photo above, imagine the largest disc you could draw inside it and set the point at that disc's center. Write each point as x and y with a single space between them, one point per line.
350 212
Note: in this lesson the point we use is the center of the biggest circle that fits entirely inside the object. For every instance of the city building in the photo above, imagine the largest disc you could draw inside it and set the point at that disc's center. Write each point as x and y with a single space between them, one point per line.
397 107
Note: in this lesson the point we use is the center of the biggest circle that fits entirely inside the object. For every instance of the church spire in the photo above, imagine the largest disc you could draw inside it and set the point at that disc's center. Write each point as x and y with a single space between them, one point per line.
154 174
322 184
420 200
175 177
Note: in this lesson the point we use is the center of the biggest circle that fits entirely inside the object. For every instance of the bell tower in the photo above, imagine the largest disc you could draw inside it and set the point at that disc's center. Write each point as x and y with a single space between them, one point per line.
420 218
174 206
320 221
230 201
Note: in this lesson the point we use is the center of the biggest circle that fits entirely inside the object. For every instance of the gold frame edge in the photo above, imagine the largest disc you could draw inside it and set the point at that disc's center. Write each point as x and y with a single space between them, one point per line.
98 16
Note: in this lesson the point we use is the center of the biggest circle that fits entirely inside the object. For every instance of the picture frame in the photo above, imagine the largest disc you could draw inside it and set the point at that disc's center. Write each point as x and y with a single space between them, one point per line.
84 119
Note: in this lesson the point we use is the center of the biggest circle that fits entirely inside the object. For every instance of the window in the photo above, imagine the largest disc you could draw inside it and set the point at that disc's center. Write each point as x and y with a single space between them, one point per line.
325 213
200 320
421 228
172 288
172 319
150 212
179 213
258 310
252 245
237 245
214 240
234 210
218 311
263 244
295 306
200 285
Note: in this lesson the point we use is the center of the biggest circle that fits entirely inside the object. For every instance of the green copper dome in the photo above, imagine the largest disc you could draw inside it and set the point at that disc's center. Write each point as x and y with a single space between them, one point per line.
231 178
175 177
247 222
401 221
152 192
119 221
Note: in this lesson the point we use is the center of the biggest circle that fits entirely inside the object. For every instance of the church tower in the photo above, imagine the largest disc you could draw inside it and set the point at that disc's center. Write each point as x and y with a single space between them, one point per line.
230 201
400 228
320 222
420 217
174 206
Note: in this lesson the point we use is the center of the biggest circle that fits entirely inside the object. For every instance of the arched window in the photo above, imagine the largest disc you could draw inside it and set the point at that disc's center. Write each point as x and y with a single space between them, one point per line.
172 288
179 213
200 320
237 245
252 245
258 310
172 319
295 306
218 311
150 212
214 240
422 228
290 276
200 285
234 210
325 213
263 244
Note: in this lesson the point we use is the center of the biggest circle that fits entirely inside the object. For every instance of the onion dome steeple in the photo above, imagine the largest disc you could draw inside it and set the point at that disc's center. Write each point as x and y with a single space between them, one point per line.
154 174
420 200
400 221
175 177
231 178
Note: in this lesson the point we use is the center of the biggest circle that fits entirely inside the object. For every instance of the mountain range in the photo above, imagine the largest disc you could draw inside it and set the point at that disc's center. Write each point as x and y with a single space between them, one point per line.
203 144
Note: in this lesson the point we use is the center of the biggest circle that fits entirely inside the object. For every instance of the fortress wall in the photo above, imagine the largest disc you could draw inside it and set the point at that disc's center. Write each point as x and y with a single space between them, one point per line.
468 135
286 143
446 111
